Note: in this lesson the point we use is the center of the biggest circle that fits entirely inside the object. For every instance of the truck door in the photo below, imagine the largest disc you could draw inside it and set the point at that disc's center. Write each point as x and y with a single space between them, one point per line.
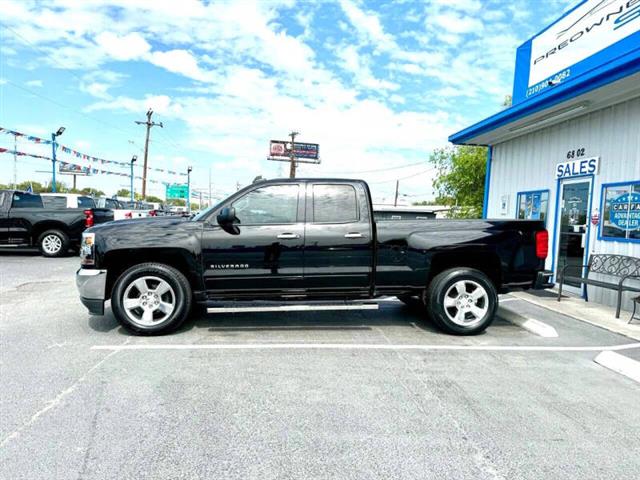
25 207
266 256
339 239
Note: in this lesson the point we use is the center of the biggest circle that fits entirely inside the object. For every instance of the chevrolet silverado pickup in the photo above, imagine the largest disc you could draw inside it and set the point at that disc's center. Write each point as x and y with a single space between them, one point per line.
297 239
25 221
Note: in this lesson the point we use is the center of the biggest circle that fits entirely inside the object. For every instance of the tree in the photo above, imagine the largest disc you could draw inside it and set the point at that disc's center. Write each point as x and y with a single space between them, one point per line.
154 199
460 181
123 192
92 191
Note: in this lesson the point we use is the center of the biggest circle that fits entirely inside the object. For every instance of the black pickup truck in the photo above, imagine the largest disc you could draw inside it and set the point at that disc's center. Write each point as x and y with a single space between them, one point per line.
26 222
306 239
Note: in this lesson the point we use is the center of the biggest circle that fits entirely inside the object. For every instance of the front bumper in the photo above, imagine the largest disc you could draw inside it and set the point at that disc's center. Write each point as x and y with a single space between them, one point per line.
91 285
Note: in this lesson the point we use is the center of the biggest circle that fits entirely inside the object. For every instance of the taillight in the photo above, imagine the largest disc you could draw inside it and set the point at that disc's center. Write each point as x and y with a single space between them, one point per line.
542 244
153 213
88 218
128 215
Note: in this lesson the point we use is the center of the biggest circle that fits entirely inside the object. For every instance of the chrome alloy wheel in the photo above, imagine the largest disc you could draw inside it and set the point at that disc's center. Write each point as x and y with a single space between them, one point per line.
51 244
149 301
466 303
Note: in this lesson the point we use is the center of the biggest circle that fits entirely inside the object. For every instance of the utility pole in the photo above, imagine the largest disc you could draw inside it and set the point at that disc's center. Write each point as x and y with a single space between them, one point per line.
292 169
149 124
15 162
395 202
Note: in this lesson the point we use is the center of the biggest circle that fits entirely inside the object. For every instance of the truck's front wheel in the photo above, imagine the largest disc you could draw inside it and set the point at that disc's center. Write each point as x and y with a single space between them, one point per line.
151 299
462 301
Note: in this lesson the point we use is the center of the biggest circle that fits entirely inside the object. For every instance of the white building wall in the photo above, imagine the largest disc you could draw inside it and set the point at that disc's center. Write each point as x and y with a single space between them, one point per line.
529 162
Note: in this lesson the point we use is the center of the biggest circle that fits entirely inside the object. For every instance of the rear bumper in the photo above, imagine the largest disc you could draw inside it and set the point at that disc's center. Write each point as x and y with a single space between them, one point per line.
543 280
91 285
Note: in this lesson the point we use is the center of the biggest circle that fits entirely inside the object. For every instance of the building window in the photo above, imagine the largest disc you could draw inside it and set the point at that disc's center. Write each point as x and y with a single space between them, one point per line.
621 212
533 205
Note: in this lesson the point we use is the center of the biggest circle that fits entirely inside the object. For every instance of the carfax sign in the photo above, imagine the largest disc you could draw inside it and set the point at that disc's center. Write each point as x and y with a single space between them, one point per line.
625 211
593 34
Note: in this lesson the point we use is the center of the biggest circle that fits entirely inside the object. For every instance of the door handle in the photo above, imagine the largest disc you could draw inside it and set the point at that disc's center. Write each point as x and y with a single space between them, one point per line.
288 236
353 235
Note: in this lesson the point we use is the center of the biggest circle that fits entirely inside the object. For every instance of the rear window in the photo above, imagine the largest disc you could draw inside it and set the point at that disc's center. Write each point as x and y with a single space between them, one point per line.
54 201
26 200
86 202
334 204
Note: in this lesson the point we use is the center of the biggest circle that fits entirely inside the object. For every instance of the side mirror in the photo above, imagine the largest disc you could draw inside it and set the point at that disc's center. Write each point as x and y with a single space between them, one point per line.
228 221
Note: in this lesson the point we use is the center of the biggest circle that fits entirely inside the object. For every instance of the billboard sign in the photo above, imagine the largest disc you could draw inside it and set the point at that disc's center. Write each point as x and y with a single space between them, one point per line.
66 168
591 35
175 191
282 148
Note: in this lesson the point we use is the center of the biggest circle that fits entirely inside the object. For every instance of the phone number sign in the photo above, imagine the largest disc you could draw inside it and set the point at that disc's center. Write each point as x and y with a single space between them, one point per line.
625 211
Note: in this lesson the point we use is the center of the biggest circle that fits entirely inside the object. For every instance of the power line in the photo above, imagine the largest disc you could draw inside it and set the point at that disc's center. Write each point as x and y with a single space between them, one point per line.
404 178
379 169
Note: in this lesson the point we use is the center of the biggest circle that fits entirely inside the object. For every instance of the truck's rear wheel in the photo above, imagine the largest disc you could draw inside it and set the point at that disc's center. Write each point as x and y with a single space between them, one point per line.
53 243
151 299
462 301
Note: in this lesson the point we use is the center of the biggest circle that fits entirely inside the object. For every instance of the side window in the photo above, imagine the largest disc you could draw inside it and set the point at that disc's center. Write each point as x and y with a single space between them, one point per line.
54 201
533 205
86 202
26 200
274 204
334 204
621 212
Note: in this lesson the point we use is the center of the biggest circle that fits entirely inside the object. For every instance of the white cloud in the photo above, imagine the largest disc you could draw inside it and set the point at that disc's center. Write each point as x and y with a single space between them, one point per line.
123 47
34 83
178 61
455 23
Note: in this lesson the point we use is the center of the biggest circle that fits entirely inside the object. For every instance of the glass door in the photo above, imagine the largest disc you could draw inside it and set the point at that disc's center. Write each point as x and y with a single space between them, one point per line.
573 225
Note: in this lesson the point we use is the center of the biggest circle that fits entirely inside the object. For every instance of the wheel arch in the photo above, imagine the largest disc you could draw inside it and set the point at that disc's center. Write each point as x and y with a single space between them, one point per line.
41 227
117 261
486 262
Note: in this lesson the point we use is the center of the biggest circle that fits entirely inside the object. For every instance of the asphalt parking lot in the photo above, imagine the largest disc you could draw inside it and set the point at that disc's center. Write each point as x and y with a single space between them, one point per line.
319 394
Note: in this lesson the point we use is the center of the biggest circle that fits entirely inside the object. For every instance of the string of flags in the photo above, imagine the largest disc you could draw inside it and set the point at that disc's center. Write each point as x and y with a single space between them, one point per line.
77 154
81 169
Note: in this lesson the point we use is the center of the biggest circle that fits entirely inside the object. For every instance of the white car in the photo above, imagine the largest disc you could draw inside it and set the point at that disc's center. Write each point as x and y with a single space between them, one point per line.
67 200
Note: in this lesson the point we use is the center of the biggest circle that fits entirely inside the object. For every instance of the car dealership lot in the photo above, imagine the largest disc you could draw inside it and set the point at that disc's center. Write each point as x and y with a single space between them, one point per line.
344 394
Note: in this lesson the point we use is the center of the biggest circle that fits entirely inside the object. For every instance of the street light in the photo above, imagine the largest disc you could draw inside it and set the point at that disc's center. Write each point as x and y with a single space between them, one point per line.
189 190
133 160
54 146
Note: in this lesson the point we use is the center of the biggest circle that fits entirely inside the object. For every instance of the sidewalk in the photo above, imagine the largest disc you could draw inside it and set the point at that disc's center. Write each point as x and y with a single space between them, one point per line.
590 312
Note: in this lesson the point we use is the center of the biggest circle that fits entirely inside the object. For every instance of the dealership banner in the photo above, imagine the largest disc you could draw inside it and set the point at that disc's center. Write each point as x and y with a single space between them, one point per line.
592 35
282 148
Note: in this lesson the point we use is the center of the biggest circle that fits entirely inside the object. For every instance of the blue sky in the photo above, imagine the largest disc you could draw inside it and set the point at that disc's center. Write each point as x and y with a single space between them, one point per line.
378 85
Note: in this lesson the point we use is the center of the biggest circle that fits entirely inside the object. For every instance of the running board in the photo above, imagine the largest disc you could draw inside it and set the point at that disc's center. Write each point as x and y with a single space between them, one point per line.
293 308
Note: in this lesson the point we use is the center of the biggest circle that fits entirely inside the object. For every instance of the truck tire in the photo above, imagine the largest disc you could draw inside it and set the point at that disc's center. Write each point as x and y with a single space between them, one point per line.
53 243
461 301
151 299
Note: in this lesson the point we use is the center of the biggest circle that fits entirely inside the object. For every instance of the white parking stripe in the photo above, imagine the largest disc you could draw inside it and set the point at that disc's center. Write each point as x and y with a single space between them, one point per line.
363 346
619 363
292 308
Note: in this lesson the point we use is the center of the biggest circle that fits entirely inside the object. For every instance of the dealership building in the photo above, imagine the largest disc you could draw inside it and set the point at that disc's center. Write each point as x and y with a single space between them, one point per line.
568 149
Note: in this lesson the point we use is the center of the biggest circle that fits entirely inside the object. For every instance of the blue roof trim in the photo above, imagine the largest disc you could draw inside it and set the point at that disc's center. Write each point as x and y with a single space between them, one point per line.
596 78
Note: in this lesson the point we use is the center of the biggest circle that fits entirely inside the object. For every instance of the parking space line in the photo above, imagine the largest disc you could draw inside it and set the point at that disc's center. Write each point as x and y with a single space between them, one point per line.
365 346
529 324
292 308
626 366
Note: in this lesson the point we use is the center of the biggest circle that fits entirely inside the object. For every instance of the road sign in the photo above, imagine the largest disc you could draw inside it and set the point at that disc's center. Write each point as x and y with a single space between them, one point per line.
176 191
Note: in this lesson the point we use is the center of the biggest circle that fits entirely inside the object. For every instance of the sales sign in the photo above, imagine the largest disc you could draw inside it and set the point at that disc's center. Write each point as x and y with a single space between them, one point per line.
577 167
625 211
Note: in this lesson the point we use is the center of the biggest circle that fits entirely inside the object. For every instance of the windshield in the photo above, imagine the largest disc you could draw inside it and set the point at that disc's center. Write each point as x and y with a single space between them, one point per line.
205 213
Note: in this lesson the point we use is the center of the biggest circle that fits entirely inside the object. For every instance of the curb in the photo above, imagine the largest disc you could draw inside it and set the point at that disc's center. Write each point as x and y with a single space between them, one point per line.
633 335
529 324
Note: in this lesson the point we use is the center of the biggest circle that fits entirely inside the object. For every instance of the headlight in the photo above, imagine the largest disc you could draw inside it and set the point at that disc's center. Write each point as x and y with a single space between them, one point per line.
87 256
